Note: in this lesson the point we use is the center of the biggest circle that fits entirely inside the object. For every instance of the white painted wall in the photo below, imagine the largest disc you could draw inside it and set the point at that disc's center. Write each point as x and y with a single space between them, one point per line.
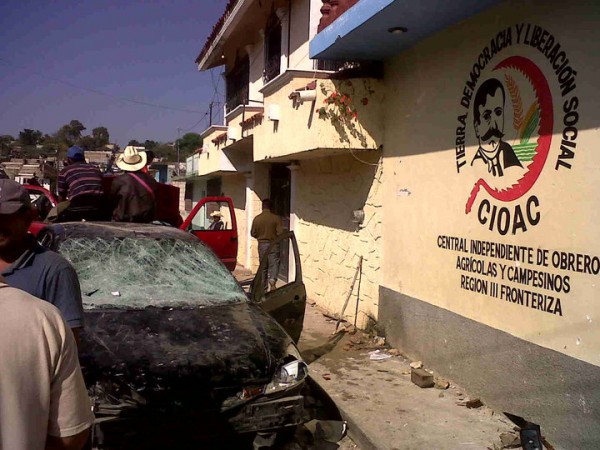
299 39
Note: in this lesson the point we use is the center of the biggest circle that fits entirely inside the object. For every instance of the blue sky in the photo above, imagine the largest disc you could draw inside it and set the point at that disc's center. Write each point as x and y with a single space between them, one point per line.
141 50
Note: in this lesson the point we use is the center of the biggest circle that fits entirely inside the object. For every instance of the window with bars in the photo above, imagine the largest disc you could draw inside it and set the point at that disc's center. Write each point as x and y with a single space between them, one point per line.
272 47
237 84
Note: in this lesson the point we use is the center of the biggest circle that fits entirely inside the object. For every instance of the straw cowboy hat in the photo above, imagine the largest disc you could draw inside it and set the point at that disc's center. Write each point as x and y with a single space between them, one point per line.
131 160
216 214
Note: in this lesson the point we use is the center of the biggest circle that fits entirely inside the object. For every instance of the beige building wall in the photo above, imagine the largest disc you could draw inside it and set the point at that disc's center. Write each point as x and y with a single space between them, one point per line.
301 128
234 186
329 190
427 194
299 36
255 52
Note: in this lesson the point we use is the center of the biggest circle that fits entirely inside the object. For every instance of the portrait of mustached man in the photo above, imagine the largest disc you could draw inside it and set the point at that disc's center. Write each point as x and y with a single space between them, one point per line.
488 121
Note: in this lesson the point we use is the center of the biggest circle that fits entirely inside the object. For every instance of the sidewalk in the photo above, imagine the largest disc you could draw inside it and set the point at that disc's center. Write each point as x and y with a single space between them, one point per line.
383 408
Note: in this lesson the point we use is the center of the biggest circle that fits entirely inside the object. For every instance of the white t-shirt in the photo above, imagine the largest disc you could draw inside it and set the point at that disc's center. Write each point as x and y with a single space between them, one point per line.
41 386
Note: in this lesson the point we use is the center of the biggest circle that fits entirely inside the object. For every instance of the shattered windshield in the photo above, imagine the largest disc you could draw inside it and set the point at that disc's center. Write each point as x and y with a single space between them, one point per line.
138 272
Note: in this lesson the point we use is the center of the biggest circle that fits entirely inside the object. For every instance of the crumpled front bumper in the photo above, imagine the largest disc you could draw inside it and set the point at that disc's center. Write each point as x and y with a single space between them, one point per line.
266 415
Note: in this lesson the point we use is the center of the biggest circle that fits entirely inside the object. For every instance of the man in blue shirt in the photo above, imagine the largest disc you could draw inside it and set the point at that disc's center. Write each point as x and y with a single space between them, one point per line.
26 265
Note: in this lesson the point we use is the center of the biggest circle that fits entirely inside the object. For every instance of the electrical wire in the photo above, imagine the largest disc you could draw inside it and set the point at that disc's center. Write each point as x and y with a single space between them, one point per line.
106 94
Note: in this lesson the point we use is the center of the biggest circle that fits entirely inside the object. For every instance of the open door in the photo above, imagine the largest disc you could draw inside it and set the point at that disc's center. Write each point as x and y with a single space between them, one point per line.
213 221
286 303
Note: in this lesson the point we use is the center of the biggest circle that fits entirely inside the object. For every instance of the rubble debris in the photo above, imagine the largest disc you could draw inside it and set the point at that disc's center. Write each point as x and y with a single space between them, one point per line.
326 376
327 430
510 440
394 352
264 440
474 403
440 383
350 329
379 341
378 355
416 365
356 340
421 378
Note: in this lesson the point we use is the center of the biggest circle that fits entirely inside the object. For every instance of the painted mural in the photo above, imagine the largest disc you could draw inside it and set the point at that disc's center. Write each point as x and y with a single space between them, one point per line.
508 123
507 115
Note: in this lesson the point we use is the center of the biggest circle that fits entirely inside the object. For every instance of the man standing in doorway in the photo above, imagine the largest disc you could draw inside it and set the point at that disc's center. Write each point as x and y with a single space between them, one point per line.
265 228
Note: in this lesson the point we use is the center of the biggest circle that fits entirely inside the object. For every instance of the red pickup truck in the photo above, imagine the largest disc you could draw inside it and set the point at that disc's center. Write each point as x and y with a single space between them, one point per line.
222 239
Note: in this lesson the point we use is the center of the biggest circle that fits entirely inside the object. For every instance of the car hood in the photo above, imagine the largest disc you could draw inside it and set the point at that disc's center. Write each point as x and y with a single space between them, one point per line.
182 349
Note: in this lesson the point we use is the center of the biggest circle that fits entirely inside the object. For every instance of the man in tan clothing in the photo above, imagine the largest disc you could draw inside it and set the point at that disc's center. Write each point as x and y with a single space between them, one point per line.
43 400
265 228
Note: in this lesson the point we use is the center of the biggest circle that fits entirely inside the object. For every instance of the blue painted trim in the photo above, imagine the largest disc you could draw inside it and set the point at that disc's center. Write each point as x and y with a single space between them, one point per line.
360 13
361 33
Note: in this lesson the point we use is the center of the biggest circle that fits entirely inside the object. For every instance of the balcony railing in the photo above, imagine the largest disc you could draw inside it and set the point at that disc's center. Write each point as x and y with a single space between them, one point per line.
332 9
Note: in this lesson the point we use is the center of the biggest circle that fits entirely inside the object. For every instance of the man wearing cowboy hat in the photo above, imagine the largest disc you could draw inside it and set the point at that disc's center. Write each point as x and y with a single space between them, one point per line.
217 223
134 190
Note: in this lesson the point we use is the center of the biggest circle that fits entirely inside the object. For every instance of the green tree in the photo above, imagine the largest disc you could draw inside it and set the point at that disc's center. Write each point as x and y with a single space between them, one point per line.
101 136
150 145
165 151
88 142
30 137
70 134
188 144
134 143
76 129
5 144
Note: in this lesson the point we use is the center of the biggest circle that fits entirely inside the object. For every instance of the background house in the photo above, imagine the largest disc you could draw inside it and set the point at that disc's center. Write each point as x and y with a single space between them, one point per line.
291 134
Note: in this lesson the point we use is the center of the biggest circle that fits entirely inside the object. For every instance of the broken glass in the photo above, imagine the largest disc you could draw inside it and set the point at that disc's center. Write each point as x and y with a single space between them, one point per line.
137 272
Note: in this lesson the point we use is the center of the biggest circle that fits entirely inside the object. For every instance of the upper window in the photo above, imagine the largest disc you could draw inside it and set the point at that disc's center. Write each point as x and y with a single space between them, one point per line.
237 83
272 47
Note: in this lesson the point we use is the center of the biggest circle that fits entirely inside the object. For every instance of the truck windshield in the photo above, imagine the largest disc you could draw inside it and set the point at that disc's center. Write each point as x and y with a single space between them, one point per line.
137 272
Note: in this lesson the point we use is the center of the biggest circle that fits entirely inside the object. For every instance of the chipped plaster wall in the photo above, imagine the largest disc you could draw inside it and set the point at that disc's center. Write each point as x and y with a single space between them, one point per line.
329 189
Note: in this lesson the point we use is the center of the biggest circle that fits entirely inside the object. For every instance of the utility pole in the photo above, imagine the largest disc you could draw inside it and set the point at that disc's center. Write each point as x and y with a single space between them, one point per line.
177 144
210 107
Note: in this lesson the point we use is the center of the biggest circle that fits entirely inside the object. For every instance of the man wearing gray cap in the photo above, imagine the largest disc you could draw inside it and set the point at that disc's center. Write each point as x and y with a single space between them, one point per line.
28 266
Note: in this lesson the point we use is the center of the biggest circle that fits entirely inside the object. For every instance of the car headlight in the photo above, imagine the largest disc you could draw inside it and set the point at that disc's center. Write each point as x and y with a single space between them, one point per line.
289 374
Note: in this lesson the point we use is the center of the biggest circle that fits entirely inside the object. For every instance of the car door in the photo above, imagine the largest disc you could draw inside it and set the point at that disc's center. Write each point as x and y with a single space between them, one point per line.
286 303
222 239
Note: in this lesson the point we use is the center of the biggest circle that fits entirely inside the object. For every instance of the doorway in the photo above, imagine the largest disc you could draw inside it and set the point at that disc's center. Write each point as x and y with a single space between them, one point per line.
213 187
280 195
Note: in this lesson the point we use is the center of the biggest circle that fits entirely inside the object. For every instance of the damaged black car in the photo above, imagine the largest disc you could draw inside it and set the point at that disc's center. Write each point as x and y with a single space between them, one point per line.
172 347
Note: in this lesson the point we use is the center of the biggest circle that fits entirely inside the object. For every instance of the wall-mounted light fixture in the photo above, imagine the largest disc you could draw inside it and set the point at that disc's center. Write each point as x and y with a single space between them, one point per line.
358 217
308 95
397 30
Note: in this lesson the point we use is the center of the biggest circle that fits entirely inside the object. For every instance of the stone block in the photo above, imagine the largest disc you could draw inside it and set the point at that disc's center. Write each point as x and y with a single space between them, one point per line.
421 378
